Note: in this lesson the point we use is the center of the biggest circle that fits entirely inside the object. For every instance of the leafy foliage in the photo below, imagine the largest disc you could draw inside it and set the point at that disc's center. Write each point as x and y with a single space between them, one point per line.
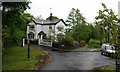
64 41
82 32
78 27
94 32
14 22
107 22
75 18
94 43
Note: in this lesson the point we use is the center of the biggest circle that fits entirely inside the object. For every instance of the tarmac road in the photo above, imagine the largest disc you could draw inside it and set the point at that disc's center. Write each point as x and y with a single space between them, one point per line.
75 60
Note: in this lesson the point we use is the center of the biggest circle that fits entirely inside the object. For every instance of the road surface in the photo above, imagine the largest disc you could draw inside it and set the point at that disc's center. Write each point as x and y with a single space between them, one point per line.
75 60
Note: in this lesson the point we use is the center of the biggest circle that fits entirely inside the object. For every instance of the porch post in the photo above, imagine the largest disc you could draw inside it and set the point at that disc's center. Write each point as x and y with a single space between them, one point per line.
38 41
23 42
41 38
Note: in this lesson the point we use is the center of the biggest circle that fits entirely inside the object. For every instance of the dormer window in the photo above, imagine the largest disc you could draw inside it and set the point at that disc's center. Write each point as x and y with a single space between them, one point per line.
31 35
31 27
60 27
50 26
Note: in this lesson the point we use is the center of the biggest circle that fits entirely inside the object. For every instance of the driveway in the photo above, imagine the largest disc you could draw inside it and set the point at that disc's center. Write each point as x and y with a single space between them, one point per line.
75 60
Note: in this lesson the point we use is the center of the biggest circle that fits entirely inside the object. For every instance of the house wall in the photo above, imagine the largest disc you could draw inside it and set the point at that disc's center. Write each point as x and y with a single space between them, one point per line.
38 29
28 29
59 24
45 29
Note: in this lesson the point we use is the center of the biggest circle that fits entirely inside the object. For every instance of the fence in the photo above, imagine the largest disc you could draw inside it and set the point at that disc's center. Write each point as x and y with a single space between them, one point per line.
45 42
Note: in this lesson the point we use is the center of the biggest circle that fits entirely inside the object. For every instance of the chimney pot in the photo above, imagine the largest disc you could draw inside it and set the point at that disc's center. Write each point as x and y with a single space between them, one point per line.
50 16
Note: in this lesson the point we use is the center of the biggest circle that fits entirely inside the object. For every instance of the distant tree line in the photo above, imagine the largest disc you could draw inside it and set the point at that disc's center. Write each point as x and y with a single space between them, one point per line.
105 27
79 29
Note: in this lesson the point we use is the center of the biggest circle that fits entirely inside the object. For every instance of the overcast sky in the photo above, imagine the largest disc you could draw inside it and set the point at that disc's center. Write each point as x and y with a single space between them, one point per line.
61 8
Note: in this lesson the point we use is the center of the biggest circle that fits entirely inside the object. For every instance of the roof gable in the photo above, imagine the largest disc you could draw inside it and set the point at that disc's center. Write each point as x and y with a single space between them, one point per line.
62 21
41 33
48 22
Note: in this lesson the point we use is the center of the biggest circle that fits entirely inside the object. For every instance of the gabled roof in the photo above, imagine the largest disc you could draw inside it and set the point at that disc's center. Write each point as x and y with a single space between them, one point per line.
31 33
48 22
41 33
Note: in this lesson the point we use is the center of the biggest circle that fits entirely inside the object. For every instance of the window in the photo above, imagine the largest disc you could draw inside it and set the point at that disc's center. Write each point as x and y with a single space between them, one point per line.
105 47
32 36
31 27
50 26
60 28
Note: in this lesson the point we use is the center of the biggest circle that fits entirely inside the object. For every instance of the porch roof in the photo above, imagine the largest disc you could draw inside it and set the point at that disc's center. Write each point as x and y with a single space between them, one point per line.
41 33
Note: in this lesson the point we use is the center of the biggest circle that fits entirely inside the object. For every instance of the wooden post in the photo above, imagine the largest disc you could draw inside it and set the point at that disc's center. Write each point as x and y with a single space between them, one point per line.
23 42
39 41
41 38
28 47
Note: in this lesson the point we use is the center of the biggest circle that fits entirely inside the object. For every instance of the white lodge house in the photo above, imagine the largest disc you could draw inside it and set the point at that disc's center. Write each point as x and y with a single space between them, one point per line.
45 31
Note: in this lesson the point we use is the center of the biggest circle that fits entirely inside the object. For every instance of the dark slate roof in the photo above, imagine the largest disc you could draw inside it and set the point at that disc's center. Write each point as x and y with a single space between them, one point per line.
48 22
41 33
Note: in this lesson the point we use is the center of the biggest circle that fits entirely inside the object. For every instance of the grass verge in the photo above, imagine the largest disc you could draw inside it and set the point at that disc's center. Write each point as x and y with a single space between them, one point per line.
105 68
15 58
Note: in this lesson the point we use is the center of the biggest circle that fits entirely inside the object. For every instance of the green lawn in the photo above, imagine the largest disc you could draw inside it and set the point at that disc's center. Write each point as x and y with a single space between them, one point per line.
106 68
16 58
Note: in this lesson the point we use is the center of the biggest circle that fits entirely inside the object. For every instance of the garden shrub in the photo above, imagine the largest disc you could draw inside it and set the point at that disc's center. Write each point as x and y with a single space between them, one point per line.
34 42
94 43
63 42
82 44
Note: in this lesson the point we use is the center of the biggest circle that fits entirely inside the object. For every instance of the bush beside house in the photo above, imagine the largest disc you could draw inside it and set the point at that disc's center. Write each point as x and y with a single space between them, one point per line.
63 42
94 43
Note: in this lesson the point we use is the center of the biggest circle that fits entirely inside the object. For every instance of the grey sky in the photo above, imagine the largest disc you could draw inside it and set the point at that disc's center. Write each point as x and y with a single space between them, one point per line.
61 8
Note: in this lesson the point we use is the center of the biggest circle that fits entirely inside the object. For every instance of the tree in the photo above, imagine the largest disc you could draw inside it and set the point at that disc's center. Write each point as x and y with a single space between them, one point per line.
94 32
118 49
14 22
82 33
107 22
75 18
71 18
78 27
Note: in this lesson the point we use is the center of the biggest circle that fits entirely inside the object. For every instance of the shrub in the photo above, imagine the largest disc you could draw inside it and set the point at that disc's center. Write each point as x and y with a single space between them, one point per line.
82 44
94 43
34 42
63 42
55 44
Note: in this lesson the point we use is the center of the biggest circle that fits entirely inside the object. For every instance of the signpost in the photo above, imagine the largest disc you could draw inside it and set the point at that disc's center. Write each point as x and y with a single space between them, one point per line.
28 47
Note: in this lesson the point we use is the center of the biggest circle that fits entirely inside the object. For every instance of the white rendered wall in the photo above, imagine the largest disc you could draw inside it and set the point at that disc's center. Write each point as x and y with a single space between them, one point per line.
45 29
59 24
